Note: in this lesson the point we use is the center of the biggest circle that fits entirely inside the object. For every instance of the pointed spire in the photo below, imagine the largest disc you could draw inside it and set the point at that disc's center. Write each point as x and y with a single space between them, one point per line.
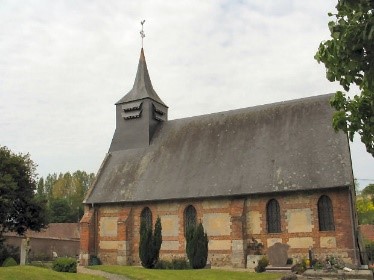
142 87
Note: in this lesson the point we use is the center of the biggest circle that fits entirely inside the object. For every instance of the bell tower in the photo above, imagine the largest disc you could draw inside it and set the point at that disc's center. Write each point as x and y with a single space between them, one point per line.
138 113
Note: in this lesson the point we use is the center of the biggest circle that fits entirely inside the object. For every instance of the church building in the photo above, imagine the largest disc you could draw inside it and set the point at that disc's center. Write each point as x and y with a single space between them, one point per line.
276 173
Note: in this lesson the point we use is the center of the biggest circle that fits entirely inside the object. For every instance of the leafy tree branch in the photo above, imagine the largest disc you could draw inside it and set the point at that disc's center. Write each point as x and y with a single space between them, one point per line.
349 59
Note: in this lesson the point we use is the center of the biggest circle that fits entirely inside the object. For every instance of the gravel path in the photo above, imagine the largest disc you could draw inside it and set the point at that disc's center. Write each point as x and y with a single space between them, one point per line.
107 275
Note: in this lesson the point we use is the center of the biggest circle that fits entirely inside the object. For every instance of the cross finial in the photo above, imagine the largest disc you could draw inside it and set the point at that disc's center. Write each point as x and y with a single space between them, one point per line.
142 34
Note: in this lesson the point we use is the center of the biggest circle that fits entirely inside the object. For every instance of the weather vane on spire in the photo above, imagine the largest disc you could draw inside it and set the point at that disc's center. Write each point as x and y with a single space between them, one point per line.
142 34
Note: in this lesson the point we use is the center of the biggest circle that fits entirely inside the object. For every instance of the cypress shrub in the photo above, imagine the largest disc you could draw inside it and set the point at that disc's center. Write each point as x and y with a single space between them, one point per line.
197 246
189 245
157 240
145 245
150 244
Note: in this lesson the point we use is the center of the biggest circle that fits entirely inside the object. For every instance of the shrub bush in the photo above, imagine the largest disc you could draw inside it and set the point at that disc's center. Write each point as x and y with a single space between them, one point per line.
178 264
330 263
65 265
7 251
163 264
262 264
94 260
9 262
300 267
150 244
197 246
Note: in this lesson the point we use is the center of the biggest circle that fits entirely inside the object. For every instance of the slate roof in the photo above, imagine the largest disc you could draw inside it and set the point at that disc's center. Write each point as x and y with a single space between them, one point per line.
286 146
142 87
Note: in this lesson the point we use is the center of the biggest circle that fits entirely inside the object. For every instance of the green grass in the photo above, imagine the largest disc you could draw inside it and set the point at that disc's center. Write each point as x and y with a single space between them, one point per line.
139 273
39 273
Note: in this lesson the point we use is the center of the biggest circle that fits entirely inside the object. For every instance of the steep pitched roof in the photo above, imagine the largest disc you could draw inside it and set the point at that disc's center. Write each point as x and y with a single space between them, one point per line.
142 87
271 148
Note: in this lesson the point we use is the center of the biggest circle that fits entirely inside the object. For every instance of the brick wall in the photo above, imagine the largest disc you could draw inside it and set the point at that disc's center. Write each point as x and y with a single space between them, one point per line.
300 228
229 223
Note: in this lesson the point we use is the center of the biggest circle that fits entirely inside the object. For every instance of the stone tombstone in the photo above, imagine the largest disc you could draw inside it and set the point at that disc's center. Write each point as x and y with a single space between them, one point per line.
277 254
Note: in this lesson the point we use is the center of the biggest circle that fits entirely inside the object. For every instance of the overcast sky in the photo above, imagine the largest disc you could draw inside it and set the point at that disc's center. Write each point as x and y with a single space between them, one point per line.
63 65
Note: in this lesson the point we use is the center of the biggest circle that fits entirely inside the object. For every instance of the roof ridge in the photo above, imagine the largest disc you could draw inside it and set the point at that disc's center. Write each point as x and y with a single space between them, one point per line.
259 106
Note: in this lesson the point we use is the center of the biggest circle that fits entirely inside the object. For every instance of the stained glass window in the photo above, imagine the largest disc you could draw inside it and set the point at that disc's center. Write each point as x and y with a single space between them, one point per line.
189 217
325 214
273 218
146 216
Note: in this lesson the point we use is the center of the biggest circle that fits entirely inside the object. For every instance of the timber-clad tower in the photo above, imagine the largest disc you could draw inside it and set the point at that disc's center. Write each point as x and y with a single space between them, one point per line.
138 113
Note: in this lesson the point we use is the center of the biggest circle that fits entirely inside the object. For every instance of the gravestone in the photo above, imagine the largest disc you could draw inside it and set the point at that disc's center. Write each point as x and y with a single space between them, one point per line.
277 254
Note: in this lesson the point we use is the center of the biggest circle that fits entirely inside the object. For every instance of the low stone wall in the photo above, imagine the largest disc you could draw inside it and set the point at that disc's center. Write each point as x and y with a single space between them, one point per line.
43 248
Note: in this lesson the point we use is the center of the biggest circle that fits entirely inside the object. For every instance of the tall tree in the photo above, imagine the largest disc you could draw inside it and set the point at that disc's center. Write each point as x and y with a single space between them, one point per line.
365 205
369 191
61 212
66 191
157 239
197 246
49 181
40 188
349 58
20 208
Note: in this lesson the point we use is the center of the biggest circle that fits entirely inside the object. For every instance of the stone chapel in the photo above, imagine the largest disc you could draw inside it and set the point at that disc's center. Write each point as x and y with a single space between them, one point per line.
278 173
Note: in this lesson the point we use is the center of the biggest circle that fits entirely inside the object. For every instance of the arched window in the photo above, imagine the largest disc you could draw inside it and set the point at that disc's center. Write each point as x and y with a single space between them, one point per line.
189 217
146 216
325 214
273 219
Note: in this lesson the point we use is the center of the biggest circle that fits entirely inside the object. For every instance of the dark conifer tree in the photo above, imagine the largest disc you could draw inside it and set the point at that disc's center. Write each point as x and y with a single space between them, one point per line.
197 246
150 244
157 240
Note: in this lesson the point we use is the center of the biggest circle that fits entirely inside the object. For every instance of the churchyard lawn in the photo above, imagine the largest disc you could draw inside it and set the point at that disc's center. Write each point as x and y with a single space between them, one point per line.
139 273
39 273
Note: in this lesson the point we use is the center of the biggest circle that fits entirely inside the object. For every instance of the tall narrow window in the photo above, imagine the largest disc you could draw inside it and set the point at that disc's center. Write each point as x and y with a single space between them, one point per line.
273 218
146 216
189 217
325 214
